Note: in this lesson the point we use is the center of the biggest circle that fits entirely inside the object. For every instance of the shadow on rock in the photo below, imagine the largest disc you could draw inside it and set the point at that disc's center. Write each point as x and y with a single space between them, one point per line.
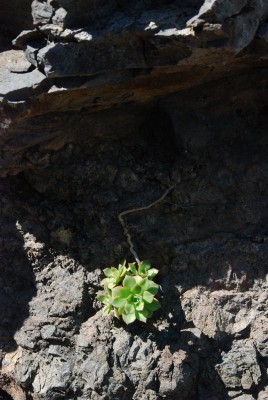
17 282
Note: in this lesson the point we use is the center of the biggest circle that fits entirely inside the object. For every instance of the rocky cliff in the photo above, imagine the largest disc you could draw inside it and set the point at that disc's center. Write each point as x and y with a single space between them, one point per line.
104 106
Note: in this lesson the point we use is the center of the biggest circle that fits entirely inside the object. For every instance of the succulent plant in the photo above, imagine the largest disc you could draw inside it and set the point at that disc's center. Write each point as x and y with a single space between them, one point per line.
144 269
114 275
130 292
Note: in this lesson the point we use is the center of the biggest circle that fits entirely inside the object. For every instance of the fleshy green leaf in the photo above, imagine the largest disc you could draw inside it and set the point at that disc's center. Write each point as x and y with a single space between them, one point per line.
108 272
152 287
133 268
140 315
116 291
117 313
119 310
107 290
110 282
129 281
107 309
130 299
148 297
124 292
140 306
144 284
119 302
138 279
106 280
152 272
111 285
103 298
129 308
153 306
136 289
122 269
144 267
129 318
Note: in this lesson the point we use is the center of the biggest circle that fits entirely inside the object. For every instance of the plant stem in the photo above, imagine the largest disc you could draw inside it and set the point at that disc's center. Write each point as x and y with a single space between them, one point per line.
125 229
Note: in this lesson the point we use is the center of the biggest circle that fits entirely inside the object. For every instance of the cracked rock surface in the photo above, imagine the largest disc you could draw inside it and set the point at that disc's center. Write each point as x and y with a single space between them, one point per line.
104 105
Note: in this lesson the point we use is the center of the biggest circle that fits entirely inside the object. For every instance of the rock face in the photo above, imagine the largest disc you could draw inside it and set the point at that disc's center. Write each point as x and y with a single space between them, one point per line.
104 106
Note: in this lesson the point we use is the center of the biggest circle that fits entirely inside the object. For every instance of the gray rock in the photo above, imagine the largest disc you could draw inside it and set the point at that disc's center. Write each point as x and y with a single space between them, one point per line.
59 17
240 368
42 12
26 36
71 13
48 331
178 373
261 8
263 31
218 10
134 360
54 375
91 62
263 394
12 85
30 336
259 333
218 314
31 51
25 367
15 61
242 29
240 24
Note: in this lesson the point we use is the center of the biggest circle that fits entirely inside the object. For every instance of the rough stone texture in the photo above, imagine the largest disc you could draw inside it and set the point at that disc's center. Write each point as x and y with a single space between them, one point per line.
239 368
105 105
220 313
16 77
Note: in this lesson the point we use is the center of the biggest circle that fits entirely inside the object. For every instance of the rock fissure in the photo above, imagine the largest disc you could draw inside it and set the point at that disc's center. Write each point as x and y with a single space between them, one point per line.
138 209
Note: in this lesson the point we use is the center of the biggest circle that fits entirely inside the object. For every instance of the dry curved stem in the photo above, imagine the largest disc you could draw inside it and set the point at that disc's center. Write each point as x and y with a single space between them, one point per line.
125 229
